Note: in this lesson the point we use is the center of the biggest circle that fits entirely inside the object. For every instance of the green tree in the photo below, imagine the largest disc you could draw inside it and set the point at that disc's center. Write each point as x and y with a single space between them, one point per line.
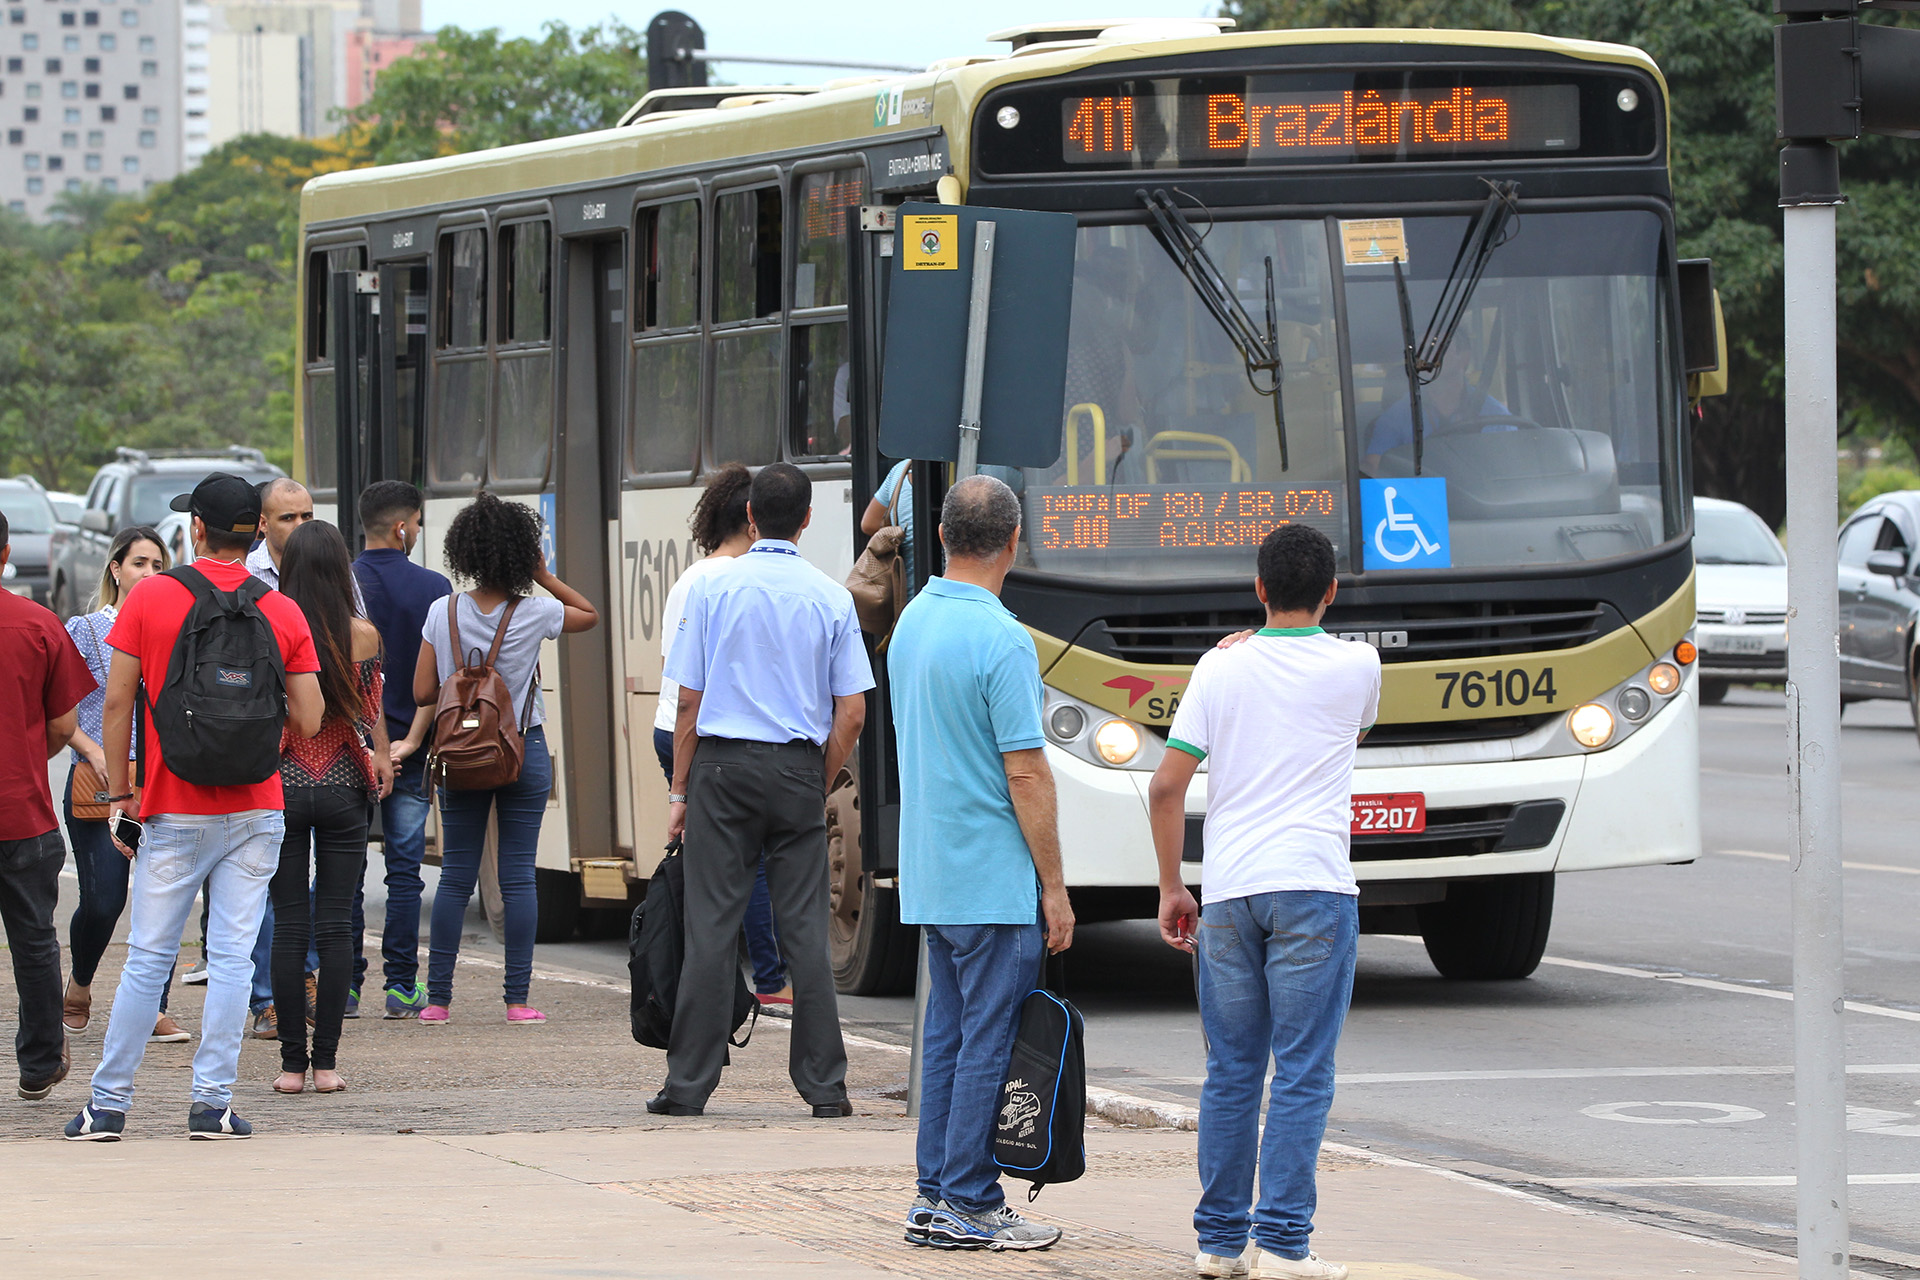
471 90
58 372
1717 56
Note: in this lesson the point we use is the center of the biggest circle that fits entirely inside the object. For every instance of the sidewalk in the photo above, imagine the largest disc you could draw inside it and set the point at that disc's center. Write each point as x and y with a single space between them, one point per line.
479 1150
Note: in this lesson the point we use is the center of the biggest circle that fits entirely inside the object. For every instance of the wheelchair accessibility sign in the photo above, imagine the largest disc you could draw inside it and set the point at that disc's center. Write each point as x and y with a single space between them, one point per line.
1405 523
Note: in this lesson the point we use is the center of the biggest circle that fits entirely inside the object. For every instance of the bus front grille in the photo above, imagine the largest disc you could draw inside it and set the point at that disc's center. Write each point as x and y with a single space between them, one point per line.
1483 630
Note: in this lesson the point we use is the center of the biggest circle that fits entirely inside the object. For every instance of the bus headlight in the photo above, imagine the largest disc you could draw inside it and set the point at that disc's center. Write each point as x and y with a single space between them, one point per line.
1117 741
1663 678
1591 725
1634 703
1066 721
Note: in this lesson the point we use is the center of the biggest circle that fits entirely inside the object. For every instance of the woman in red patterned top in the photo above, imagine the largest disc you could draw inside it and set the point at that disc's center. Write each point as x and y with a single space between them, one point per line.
332 780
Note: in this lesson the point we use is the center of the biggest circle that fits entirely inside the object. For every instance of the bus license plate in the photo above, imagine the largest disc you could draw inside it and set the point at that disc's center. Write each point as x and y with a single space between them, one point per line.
1404 813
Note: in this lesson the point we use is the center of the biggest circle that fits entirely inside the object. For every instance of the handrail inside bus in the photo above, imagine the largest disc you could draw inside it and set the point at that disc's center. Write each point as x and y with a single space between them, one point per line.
1098 420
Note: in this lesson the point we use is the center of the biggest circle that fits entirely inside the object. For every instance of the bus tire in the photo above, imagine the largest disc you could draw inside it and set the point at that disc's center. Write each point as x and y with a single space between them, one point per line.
558 913
873 953
1713 692
1492 928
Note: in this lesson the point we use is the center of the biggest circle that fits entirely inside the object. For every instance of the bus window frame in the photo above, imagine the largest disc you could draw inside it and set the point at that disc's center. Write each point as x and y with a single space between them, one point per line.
317 250
797 318
645 201
439 278
501 351
759 177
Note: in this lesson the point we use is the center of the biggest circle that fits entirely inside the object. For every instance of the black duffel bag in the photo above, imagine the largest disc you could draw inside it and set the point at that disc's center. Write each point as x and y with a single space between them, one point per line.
1040 1133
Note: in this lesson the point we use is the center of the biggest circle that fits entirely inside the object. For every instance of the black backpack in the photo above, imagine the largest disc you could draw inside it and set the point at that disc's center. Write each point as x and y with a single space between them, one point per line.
222 708
656 949
1040 1133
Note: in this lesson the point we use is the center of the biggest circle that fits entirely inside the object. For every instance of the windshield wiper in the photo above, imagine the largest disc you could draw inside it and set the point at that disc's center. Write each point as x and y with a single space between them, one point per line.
1260 351
1424 358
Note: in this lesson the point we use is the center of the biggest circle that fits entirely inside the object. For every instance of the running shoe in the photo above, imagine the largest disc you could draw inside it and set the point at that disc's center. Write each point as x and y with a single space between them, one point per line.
167 1031
919 1218
96 1124
998 1229
353 1003
266 1023
206 1123
434 1015
196 974
406 1003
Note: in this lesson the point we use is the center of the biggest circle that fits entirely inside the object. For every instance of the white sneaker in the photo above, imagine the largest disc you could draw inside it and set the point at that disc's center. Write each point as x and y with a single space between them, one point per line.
1212 1264
1262 1265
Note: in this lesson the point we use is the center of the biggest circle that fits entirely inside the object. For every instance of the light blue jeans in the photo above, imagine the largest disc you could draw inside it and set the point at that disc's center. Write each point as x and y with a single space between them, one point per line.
234 855
1276 974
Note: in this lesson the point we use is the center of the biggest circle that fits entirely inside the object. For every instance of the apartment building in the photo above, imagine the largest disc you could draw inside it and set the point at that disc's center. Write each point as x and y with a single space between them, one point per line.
92 93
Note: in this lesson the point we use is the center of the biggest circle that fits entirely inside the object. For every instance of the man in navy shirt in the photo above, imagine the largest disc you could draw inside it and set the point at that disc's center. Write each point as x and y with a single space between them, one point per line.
397 593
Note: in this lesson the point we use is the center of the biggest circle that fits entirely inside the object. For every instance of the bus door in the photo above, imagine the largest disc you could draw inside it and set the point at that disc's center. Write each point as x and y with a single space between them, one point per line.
586 522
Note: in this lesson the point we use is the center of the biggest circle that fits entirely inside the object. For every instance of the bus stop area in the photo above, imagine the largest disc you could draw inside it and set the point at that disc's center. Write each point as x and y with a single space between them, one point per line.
498 1150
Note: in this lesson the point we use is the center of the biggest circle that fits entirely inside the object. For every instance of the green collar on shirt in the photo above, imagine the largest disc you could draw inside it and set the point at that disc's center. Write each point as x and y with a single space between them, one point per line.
1291 631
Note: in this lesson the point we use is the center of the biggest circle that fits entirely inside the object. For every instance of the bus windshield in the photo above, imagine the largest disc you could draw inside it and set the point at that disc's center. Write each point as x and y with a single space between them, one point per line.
1552 422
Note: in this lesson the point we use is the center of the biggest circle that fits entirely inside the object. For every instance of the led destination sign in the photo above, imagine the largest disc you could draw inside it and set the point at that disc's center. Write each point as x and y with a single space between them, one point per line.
1309 125
1193 517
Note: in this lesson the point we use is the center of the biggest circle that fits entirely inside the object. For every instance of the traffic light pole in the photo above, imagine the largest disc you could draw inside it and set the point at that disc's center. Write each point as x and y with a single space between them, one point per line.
1813 711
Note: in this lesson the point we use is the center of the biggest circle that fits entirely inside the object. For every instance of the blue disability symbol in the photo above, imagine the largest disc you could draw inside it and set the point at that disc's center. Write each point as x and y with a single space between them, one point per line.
1405 521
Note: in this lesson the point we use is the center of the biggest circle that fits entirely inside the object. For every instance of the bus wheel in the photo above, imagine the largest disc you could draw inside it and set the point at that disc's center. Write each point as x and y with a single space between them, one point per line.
1713 692
873 954
1489 928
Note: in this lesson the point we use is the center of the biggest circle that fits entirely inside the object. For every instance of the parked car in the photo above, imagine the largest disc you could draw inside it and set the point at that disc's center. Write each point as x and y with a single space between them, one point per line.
1880 600
134 489
1740 593
66 506
30 524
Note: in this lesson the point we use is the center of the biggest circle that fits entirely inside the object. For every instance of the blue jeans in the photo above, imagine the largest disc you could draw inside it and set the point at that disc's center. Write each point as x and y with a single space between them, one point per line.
103 872
977 976
234 855
463 833
403 822
1276 973
763 939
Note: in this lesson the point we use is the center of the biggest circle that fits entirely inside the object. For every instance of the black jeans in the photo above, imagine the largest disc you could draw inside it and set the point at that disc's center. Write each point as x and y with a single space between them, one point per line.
29 892
332 821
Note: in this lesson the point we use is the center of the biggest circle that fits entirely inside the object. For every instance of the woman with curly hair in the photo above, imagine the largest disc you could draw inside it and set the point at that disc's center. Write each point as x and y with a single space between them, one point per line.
331 782
495 546
722 533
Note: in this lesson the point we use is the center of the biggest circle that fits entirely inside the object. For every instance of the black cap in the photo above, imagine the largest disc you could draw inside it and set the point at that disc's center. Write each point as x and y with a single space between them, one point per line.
225 502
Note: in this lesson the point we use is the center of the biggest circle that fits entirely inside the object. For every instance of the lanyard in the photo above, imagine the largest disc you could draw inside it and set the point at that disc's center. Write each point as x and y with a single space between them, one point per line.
778 551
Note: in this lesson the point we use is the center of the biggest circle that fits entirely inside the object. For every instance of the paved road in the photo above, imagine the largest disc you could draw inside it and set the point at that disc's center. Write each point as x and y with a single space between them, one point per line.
1646 1065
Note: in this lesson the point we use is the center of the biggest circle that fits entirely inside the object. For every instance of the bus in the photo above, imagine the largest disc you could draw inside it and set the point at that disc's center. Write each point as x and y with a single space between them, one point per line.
1417 288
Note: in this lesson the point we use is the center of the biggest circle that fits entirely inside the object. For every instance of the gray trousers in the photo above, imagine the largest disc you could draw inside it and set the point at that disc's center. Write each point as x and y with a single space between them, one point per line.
744 798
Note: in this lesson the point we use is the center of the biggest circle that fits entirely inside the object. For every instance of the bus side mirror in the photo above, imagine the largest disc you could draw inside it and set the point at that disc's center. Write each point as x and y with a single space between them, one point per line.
1703 330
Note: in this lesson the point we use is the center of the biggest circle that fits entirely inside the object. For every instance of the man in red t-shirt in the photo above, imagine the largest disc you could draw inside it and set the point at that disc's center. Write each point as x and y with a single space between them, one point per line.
42 679
227 837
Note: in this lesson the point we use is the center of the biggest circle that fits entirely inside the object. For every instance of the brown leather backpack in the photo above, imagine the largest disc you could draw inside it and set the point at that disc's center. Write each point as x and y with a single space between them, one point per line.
478 743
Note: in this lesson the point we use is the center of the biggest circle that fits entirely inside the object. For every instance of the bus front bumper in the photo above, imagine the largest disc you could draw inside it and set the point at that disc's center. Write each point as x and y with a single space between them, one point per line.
1635 804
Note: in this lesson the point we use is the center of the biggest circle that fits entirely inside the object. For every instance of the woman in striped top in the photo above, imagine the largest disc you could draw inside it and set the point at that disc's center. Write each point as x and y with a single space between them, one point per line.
332 781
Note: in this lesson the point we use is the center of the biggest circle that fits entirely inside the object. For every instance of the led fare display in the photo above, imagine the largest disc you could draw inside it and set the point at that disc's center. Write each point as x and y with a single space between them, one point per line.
1302 125
1196 517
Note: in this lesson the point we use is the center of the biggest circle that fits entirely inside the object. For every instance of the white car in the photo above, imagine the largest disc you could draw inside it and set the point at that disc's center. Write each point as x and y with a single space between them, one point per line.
1740 598
176 534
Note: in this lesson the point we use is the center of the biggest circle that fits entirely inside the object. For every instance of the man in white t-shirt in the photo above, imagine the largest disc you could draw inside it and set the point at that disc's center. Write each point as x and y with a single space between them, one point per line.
1277 718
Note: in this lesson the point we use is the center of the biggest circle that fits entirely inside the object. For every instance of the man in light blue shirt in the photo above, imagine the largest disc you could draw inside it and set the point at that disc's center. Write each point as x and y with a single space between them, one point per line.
979 858
773 678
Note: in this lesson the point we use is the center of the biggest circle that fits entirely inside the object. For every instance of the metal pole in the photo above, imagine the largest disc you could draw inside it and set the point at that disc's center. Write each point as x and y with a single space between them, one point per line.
976 369
1813 738
921 986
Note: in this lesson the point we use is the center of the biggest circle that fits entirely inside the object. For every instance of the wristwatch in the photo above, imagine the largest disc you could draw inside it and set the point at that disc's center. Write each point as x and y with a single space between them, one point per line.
674 799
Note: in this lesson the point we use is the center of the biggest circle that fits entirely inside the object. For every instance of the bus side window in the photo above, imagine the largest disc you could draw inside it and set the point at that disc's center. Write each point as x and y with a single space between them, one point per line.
665 402
747 239
459 431
819 397
523 374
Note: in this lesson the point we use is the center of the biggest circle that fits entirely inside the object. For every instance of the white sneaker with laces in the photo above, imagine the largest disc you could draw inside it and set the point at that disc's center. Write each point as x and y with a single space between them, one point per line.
1213 1265
1262 1265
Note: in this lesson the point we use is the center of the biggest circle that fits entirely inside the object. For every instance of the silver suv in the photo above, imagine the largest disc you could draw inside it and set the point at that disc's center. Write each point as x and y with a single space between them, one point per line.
134 489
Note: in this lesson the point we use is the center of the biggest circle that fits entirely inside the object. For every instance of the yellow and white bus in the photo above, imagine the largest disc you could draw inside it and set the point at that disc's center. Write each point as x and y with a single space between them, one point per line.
1463 246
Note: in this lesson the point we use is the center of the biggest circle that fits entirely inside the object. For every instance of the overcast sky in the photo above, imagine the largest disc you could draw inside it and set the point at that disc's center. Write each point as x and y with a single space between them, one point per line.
866 31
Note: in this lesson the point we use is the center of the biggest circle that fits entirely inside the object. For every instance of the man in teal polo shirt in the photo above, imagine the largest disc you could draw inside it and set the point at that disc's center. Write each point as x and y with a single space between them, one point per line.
979 858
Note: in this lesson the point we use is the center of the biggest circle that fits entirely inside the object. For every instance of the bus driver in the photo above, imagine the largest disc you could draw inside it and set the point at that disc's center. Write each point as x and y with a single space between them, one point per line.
1453 402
